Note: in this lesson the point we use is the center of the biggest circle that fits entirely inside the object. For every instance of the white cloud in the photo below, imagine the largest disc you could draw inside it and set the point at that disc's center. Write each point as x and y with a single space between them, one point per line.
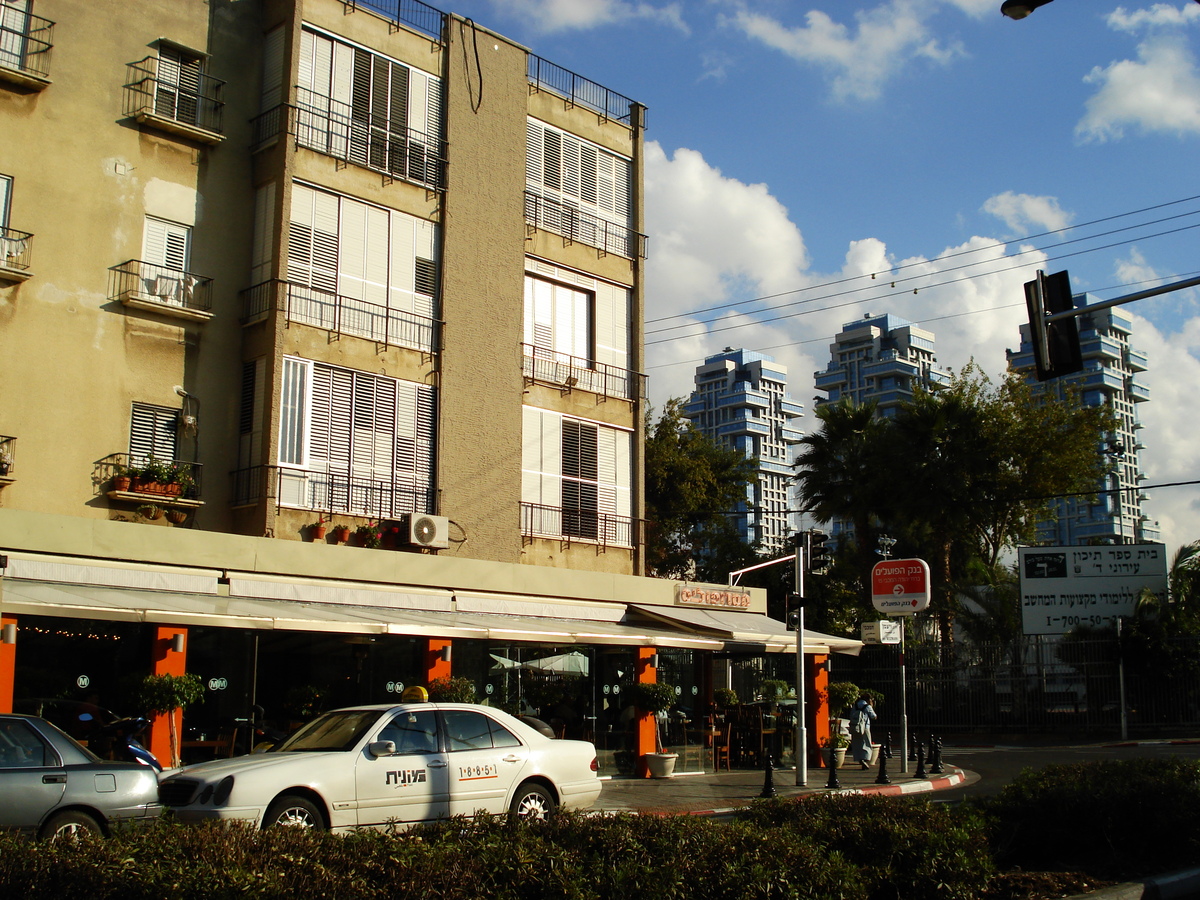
548 16
1158 92
859 60
1024 213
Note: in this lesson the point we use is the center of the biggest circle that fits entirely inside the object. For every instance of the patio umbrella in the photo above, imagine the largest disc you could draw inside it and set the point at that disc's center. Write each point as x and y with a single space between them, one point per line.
573 663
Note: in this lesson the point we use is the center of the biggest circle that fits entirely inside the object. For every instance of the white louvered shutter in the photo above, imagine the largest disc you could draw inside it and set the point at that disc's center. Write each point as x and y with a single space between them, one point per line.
153 431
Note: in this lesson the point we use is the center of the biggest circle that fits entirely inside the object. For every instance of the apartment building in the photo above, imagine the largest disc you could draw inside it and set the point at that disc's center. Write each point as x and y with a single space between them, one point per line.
320 357
1111 366
741 401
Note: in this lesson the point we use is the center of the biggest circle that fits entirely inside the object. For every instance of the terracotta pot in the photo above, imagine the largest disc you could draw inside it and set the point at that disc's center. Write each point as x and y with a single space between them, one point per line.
176 516
318 532
341 533
121 482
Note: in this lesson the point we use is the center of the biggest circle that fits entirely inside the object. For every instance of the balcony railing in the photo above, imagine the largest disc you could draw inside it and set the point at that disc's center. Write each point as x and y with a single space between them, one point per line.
331 127
164 99
334 492
583 227
25 45
159 288
580 91
342 315
416 15
567 372
15 249
8 457
588 525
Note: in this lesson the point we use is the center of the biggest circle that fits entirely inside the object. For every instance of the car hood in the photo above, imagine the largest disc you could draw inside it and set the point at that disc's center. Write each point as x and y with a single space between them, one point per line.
257 762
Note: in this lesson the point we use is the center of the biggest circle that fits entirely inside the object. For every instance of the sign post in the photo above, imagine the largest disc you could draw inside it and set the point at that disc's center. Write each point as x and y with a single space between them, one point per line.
900 587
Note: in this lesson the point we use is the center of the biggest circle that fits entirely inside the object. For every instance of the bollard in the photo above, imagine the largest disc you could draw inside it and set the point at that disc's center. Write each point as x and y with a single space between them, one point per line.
885 751
912 747
935 750
920 773
768 790
833 784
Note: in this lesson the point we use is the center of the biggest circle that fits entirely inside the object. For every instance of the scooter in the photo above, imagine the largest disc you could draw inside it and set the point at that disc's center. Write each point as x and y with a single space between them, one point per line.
119 739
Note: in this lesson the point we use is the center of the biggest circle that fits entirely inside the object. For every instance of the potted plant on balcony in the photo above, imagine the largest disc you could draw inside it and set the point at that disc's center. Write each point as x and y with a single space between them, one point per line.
150 511
368 535
6 461
341 533
316 530
657 698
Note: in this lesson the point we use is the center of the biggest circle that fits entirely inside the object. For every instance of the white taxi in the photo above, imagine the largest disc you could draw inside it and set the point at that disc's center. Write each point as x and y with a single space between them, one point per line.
380 766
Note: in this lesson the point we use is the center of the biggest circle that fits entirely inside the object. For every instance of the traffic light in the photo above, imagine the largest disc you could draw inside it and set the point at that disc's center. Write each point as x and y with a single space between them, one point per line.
818 552
1055 344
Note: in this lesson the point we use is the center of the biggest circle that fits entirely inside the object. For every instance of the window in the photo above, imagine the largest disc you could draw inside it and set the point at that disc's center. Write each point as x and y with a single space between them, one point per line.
5 195
467 730
368 109
14 30
412 732
154 431
177 88
558 319
354 442
22 748
581 189
166 252
576 478
361 269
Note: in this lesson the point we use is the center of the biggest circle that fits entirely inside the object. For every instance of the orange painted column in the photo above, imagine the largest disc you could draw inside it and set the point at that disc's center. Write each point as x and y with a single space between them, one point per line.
435 666
8 668
818 687
644 673
166 661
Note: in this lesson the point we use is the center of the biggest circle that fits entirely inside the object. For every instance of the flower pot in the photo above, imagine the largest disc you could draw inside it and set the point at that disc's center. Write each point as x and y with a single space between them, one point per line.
121 482
341 534
661 765
318 532
838 753
148 486
176 516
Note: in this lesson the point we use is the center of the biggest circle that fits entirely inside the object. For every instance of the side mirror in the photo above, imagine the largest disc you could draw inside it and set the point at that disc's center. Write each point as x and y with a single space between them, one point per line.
381 748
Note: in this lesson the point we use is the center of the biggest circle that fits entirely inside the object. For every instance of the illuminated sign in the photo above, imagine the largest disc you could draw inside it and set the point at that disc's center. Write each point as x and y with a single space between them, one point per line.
722 599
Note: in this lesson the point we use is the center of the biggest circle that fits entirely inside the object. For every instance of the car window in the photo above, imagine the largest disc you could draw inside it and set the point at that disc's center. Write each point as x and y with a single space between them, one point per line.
412 732
332 731
22 748
467 730
501 736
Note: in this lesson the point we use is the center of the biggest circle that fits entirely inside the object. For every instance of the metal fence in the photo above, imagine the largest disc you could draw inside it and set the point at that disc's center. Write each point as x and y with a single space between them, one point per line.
1034 685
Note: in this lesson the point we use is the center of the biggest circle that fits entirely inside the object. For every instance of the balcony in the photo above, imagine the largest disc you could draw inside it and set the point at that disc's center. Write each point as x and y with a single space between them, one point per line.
15 249
25 45
173 484
1136 360
578 226
8 459
184 104
170 292
416 15
1138 392
331 492
569 373
341 315
580 91
331 128
743 395
570 525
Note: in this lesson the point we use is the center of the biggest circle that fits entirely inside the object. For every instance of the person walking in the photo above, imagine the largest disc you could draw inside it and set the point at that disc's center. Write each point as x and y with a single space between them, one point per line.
861 717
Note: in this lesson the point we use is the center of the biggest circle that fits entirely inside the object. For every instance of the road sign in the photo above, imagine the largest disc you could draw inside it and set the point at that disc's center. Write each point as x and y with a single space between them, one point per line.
886 631
900 587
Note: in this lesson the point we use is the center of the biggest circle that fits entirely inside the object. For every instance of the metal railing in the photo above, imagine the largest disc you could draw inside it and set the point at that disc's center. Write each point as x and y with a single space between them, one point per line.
331 128
15 248
417 15
547 76
333 492
342 315
583 227
27 49
186 484
585 525
566 372
8 455
140 280
198 104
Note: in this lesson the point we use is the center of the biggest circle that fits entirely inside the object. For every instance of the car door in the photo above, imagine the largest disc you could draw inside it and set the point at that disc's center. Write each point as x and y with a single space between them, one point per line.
485 760
32 779
409 785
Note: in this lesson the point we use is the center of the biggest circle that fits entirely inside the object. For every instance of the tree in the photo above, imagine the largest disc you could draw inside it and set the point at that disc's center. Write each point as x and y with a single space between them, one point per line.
692 485
163 694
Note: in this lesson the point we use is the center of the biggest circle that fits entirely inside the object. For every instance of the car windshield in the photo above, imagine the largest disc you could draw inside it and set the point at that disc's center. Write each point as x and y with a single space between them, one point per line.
340 730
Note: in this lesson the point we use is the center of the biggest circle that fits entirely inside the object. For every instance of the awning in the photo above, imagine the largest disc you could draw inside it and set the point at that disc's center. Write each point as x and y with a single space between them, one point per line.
753 630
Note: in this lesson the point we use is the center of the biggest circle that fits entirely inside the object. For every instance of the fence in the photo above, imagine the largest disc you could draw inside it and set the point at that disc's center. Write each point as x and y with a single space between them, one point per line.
1033 685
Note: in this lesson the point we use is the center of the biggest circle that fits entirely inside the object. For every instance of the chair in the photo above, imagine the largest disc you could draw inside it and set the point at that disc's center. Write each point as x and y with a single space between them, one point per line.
692 753
721 742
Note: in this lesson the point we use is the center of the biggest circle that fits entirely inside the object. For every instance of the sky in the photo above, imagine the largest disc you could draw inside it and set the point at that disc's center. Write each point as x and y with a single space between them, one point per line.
810 161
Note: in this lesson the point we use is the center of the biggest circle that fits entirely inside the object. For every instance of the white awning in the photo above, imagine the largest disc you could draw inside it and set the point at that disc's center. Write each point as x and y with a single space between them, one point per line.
752 629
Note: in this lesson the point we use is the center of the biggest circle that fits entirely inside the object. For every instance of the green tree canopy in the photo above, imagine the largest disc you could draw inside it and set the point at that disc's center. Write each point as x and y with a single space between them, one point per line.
692 485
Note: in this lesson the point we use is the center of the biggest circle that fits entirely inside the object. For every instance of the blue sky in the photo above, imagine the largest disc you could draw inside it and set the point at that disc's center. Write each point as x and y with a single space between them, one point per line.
796 148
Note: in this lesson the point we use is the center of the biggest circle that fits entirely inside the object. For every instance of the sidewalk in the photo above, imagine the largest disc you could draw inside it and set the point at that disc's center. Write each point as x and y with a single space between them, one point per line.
720 793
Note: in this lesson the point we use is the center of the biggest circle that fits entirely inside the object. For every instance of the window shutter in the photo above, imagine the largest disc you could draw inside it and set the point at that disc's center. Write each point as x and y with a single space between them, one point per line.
5 194
262 253
272 84
250 416
292 411
165 244
153 431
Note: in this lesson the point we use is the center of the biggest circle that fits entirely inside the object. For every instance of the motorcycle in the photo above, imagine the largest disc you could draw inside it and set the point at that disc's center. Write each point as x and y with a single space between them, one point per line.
120 740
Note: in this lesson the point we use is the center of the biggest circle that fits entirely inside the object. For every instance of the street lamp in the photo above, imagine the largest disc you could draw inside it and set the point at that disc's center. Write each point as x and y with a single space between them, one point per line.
1019 9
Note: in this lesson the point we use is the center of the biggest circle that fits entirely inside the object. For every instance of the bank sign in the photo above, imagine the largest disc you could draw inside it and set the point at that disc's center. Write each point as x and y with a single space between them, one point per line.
900 587
1062 587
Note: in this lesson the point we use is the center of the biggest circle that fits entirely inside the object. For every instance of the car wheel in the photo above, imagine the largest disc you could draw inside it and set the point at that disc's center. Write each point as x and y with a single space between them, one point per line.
532 801
71 825
294 812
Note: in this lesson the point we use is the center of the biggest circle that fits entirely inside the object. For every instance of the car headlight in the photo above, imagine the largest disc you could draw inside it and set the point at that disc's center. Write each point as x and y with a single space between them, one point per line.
206 794
224 789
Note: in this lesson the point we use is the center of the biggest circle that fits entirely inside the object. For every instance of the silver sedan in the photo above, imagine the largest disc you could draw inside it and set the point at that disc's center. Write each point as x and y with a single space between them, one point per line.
51 785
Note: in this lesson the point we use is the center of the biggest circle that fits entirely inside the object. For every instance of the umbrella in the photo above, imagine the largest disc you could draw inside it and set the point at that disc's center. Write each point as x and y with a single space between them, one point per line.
503 662
573 663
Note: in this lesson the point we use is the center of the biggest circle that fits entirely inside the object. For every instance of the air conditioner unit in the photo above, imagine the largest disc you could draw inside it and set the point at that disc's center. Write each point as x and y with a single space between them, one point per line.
429 531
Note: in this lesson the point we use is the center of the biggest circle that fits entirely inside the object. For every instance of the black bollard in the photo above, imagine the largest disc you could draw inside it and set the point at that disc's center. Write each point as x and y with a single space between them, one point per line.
882 777
833 784
935 750
920 773
912 747
768 790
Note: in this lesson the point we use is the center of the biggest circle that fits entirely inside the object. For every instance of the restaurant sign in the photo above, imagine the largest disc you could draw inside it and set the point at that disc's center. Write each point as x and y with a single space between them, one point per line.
687 595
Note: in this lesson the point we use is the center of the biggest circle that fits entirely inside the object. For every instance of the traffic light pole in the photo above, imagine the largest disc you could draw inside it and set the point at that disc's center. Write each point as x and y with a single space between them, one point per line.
801 716
1128 298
